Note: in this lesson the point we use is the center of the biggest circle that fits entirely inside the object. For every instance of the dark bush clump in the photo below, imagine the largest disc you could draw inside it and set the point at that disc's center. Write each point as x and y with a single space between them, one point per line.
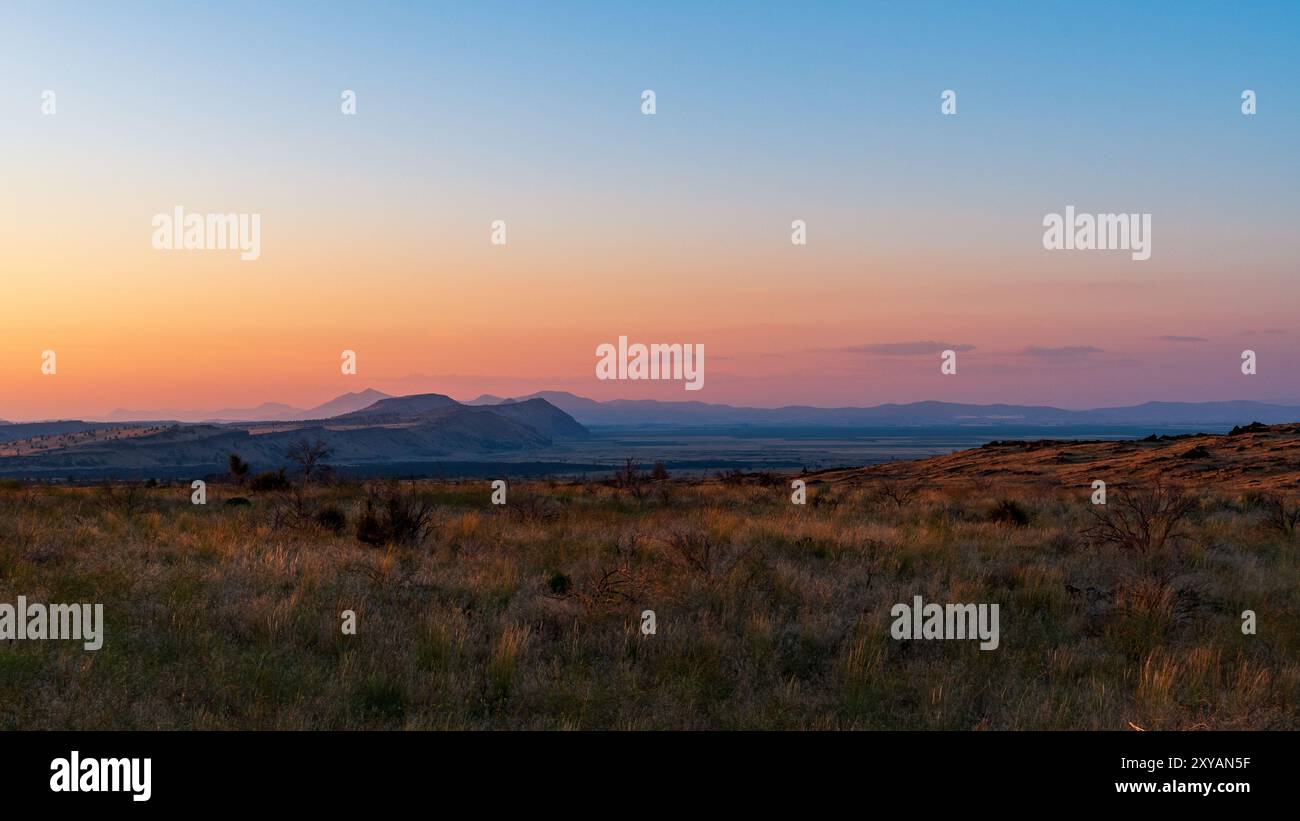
333 519
271 480
560 584
394 516
1009 511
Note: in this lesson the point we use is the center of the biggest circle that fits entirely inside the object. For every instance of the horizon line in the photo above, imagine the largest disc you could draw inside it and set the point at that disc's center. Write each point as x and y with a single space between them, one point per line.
106 417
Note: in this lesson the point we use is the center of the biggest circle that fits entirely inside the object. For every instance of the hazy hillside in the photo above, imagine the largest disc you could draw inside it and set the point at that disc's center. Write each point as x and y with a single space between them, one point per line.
25 430
346 403
399 409
402 429
545 417
537 414
265 412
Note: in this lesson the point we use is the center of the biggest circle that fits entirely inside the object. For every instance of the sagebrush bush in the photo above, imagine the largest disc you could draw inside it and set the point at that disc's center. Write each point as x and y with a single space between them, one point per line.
270 481
394 515
332 518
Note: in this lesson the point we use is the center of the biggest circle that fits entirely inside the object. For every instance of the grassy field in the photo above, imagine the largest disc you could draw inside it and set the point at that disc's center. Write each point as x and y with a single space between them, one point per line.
769 614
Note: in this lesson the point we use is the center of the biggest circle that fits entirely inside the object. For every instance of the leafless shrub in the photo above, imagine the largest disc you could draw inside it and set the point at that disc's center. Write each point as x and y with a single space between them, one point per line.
694 550
535 507
627 543
293 506
310 457
629 478
1280 514
618 585
1142 518
125 499
897 490
392 515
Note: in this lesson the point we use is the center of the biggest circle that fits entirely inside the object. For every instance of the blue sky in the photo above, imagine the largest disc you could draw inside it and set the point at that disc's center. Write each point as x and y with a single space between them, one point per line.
826 111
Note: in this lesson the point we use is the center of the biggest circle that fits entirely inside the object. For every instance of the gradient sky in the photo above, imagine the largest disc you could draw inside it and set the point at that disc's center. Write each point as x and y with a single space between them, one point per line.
670 228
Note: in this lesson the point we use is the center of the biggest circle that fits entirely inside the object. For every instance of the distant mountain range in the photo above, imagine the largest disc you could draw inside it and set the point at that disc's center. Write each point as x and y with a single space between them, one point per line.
373 407
640 412
265 412
371 428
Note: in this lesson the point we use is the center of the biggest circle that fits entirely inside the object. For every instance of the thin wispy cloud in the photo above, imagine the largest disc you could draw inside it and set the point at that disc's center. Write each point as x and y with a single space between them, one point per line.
1064 352
905 348
1176 338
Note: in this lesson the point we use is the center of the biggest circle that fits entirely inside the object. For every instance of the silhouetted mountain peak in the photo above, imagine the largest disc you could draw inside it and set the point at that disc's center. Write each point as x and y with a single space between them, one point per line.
401 408
346 403
563 400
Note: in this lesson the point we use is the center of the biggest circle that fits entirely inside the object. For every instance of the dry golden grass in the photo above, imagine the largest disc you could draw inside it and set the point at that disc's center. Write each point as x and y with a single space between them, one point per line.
769 615
1257 457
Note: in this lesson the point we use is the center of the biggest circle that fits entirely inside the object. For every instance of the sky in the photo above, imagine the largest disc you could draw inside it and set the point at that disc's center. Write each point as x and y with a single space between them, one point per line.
924 230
